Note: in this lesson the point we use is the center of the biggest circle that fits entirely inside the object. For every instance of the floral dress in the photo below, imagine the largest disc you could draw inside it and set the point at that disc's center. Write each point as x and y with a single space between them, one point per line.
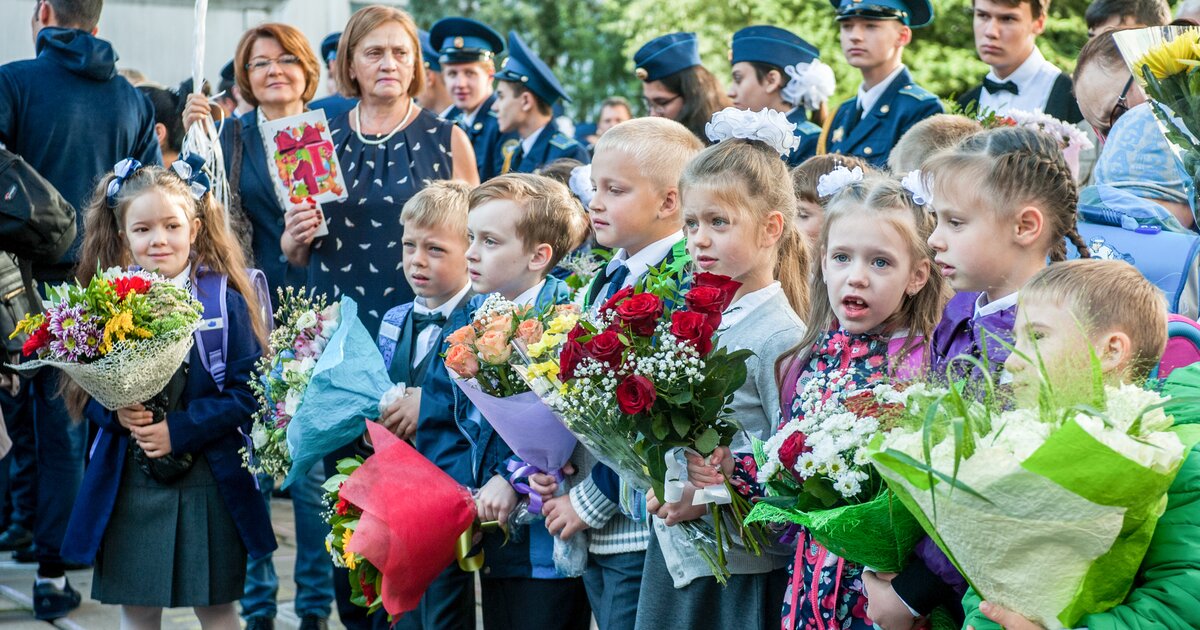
824 592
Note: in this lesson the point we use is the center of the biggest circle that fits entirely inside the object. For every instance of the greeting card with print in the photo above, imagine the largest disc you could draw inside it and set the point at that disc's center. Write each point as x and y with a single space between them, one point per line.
303 156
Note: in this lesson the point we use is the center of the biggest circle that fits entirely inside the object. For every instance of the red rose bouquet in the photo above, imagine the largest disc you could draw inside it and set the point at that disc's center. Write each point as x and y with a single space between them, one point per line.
672 385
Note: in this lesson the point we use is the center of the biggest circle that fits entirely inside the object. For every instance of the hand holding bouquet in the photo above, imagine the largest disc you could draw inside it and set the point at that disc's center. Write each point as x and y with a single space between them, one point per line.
121 337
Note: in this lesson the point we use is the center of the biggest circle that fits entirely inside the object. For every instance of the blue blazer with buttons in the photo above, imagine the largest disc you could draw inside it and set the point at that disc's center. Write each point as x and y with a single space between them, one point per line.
209 424
809 135
485 137
551 144
261 205
901 106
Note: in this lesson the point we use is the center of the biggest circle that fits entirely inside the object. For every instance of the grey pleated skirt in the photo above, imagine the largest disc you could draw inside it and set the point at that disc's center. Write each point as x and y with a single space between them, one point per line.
169 545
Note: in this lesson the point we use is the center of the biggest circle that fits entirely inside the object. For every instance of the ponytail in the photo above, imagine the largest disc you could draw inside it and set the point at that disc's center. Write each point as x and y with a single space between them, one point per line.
792 266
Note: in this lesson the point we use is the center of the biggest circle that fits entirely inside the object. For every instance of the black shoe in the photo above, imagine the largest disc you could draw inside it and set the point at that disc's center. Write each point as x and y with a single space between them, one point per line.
15 537
260 623
313 622
51 602
27 555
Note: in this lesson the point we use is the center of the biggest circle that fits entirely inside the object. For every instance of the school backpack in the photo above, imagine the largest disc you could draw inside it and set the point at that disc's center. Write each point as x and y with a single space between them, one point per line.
1116 225
213 336
1183 345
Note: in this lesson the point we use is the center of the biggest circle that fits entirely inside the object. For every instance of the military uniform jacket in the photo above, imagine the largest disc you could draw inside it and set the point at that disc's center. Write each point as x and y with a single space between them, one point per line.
485 137
551 144
901 105
809 135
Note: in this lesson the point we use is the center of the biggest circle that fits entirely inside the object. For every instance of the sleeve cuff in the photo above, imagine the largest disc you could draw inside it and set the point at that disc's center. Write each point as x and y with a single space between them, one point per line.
592 506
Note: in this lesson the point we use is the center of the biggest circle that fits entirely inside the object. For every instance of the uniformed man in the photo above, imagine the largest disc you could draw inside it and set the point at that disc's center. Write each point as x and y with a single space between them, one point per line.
435 97
526 93
467 51
333 104
873 36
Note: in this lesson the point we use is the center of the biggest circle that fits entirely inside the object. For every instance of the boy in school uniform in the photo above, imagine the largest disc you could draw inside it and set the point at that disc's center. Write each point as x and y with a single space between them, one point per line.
874 34
527 92
435 97
411 338
519 227
467 51
636 211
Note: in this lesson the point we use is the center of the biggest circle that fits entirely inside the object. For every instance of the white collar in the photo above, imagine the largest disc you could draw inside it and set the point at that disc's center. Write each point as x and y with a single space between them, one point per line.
651 254
530 296
984 307
868 98
747 304
184 278
1025 72
445 309
446 112
527 143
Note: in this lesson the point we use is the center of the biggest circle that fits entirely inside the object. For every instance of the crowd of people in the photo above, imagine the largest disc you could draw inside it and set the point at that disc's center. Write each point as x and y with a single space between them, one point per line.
890 216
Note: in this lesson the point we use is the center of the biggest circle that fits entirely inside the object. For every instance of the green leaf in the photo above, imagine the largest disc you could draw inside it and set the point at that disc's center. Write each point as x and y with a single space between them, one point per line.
682 424
708 441
349 465
659 426
908 460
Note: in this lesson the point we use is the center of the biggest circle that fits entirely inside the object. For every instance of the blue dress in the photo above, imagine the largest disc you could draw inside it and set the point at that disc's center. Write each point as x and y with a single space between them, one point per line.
361 255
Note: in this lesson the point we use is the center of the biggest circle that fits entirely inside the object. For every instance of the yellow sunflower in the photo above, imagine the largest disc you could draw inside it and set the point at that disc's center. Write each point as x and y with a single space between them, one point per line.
1172 57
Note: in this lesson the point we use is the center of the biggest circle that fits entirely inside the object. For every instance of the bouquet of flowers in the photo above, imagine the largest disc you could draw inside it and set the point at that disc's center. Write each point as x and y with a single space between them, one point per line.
121 337
583 267
321 378
397 521
1165 60
1070 493
484 356
817 473
671 386
1070 138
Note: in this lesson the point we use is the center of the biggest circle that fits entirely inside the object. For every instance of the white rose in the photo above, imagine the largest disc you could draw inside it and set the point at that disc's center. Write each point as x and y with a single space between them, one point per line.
291 402
259 435
307 319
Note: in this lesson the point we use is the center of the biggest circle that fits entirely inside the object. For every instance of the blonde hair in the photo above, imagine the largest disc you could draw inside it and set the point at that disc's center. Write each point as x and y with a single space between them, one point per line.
929 136
659 147
1106 295
882 199
807 175
215 247
1005 169
549 212
293 42
748 176
440 204
361 24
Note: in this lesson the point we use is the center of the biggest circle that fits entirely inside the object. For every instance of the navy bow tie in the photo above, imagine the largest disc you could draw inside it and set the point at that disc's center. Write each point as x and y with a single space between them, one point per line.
997 86
423 320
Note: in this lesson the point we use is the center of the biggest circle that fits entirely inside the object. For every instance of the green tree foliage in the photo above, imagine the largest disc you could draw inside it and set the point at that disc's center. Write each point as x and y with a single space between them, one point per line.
590 43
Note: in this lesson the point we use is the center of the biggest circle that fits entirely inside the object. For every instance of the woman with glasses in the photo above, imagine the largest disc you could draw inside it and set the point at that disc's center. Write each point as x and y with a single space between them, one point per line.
675 85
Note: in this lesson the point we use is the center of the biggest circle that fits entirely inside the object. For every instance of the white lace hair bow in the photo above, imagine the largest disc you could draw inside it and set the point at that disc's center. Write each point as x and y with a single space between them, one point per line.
914 183
830 183
767 126
811 84
581 184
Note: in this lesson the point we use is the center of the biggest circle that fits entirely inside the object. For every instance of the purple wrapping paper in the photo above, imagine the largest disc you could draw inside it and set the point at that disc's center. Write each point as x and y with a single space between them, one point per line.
526 424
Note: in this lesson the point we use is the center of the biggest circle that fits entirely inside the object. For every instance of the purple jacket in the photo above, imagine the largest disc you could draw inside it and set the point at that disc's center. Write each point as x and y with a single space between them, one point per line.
960 332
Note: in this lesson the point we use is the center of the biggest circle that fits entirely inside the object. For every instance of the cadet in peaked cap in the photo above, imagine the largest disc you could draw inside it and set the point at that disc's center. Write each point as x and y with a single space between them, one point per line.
466 51
676 85
435 97
528 91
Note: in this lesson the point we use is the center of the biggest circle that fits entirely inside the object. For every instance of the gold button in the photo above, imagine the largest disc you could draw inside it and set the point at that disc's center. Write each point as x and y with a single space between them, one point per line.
867 151
885 109
458 42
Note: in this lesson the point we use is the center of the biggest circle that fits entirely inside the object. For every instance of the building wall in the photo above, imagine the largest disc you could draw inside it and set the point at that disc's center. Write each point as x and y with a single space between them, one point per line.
155 36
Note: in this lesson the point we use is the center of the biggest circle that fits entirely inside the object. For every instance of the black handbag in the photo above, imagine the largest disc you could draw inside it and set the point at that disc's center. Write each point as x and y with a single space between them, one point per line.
171 467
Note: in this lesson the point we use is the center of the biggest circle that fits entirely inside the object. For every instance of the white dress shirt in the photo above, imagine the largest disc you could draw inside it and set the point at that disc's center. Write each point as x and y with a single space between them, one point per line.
527 143
868 98
1034 78
529 297
428 337
985 307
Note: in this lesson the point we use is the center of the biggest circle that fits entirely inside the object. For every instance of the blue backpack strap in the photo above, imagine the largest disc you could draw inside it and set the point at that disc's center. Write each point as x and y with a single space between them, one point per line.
212 338
389 331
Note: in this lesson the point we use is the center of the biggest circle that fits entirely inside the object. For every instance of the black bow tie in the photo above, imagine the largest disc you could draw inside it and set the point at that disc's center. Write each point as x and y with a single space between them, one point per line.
996 86
423 320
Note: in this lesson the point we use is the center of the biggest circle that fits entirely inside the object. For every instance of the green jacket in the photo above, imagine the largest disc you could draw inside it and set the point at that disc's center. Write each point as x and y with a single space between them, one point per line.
1166 591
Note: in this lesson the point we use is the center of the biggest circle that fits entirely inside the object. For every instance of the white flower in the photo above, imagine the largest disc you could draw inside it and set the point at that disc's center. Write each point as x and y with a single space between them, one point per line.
767 126
1127 402
291 401
832 182
810 86
915 185
581 184
259 435
307 320
1068 135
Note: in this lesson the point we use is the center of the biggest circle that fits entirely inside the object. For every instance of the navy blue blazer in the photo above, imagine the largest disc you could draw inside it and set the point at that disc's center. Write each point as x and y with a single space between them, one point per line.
209 424
902 105
261 205
485 137
809 135
333 105
551 144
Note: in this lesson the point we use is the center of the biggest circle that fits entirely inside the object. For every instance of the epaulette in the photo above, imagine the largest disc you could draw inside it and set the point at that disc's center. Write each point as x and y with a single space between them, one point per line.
915 91
561 141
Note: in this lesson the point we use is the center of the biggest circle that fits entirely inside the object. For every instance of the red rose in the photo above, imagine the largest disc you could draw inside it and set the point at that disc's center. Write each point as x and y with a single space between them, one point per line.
616 298
342 507
129 284
568 359
368 588
791 449
576 332
641 312
693 329
635 394
606 348
728 286
706 301
39 339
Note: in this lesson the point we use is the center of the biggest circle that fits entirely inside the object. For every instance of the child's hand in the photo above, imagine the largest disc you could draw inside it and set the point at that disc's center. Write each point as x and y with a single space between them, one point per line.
561 518
155 438
496 500
676 513
546 485
302 221
401 416
713 471
1007 618
884 606
134 416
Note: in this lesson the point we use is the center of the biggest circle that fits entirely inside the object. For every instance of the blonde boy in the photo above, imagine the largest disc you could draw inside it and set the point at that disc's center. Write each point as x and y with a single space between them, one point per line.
927 137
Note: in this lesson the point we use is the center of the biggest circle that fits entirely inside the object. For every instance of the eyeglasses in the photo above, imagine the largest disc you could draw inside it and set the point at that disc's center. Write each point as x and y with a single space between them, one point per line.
1120 107
659 106
284 61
